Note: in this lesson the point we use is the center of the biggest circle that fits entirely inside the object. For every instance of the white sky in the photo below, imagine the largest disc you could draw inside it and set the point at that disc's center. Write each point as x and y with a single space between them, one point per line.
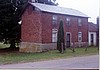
88 7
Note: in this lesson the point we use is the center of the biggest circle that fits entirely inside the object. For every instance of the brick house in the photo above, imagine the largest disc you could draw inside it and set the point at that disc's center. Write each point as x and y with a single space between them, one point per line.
40 24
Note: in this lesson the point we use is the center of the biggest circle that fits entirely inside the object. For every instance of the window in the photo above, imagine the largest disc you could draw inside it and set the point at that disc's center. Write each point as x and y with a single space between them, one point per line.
79 22
54 17
54 35
68 21
80 36
54 21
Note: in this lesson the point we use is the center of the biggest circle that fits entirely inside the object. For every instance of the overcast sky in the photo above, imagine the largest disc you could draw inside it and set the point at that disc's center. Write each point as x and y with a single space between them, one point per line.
88 7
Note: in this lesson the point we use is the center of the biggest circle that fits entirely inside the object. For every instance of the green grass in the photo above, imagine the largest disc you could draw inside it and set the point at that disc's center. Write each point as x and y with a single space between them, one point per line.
16 57
4 45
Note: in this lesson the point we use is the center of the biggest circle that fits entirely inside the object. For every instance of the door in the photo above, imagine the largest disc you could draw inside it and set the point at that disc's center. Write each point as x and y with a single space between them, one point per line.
92 39
68 41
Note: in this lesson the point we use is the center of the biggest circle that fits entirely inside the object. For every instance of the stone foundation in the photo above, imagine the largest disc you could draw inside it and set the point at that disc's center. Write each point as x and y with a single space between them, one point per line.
82 44
36 47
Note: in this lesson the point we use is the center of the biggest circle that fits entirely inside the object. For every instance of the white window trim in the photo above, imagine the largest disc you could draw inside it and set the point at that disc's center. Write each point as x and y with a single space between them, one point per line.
54 37
80 36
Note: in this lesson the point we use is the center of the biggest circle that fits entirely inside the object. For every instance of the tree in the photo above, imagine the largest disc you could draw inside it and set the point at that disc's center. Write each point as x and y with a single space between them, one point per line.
10 15
60 38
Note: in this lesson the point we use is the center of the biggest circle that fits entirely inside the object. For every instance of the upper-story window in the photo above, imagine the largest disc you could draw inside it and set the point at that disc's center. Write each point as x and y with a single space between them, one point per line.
54 18
68 21
54 21
79 22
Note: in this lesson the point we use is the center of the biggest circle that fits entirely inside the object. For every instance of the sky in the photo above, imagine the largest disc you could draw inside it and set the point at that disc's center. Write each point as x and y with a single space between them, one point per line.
88 7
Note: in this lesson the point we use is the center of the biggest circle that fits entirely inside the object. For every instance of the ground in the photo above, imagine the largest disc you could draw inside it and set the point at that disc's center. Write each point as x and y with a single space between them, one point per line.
4 48
86 62
7 56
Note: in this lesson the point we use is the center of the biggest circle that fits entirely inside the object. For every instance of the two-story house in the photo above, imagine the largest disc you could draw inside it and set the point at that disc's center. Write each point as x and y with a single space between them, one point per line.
40 24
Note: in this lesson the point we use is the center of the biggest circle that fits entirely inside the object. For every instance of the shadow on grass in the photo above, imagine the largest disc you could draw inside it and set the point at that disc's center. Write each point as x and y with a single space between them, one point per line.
6 50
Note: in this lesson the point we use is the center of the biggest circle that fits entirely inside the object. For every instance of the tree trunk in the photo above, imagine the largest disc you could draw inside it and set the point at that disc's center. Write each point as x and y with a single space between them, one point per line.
86 47
73 47
62 48
12 44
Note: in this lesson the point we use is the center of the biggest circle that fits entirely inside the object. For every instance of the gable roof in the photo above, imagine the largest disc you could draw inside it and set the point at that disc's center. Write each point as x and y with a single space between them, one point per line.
92 27
58 10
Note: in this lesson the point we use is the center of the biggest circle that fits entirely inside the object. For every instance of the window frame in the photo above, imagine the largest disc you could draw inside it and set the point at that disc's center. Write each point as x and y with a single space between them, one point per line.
54 21
54 18
79 22
68 21
54 35
79 36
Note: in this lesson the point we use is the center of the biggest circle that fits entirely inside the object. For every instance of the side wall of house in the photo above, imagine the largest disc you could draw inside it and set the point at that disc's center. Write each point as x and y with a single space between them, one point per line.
31 26
46 27
31 30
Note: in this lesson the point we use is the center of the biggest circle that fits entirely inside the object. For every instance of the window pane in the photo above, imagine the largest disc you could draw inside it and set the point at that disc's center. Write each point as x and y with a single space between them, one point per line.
54 17
79 36
54 36
54 21
68 21
79 22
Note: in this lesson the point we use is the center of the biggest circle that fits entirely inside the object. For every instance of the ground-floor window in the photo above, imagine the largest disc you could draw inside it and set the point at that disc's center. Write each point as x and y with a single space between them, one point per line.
54 35
79 38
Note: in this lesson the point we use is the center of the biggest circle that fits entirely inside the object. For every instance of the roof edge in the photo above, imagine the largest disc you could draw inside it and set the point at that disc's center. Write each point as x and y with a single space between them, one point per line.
59 13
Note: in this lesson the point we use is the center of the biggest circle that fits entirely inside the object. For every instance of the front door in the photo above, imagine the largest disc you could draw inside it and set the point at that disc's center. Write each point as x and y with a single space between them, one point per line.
68 40
92 39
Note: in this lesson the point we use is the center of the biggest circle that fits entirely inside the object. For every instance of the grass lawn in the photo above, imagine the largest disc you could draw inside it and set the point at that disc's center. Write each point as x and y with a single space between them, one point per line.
16 57
4 45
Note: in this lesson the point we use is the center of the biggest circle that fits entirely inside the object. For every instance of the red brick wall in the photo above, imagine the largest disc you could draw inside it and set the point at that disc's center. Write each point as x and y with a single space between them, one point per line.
84 30
31 26
73 28
46 28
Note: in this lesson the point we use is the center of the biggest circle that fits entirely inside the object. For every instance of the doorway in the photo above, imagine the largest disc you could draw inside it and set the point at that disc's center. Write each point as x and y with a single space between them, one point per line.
68 39
92 39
